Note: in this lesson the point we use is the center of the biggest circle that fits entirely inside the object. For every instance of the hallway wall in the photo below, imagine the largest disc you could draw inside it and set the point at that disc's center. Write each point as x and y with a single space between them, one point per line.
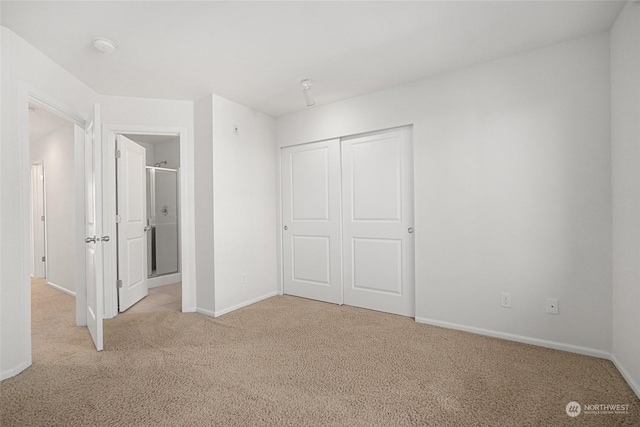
57 151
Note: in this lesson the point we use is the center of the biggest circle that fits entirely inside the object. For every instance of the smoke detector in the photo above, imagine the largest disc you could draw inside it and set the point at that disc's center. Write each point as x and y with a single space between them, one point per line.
104 45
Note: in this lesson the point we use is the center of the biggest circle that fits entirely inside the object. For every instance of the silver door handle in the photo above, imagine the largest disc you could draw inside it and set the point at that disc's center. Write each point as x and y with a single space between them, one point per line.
90 239
286 228
105 238
410 230
147 228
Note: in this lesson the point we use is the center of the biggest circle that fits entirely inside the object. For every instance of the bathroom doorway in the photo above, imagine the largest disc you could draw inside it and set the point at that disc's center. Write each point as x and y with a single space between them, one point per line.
161 234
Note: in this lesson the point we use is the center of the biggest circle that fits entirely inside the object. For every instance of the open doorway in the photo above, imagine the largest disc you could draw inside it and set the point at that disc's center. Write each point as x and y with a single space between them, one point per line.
51 144
156 285
52 226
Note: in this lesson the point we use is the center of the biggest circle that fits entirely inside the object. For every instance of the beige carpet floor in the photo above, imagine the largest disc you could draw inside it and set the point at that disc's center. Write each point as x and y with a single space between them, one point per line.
288 361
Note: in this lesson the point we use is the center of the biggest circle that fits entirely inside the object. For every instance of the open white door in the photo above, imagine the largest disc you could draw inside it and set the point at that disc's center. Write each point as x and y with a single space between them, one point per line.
93 219
132 222
38 234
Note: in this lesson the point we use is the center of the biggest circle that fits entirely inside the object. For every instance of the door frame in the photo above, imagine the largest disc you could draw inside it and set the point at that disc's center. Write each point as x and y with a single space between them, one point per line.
187 210
31 95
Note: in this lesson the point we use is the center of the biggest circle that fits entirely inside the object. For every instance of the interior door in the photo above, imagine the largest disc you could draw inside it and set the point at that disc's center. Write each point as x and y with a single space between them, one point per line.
312 254
377 172
93 226
132 217
38 225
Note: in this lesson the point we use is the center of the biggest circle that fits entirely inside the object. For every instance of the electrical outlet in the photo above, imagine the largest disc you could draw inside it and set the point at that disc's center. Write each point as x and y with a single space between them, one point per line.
552 306
505 300
243 278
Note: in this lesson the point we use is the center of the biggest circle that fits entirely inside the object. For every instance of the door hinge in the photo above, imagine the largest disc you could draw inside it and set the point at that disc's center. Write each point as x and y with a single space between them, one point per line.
118 154
42 218
43 258
119 283
118 219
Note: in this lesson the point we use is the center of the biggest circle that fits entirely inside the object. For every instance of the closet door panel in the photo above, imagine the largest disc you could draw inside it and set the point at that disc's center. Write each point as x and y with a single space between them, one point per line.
377 196
311 216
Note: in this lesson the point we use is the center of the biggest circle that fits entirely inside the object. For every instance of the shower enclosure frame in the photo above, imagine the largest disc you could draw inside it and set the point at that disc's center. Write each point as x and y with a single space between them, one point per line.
152 228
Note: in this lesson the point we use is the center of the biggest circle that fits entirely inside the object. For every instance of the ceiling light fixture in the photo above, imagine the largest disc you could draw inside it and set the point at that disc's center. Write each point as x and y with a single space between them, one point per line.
306 90
104 45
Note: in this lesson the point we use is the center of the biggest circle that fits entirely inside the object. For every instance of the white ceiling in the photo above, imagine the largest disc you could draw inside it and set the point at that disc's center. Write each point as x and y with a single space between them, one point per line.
255 53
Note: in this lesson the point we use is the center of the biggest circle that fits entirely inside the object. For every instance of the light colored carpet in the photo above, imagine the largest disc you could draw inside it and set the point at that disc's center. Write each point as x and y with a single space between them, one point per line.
288 361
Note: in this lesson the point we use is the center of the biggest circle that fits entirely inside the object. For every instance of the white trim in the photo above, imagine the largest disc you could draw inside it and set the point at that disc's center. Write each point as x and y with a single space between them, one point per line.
625 374
243 304
187 210
167 279
279 224
205 312
518 338
79 181
61 289
13 371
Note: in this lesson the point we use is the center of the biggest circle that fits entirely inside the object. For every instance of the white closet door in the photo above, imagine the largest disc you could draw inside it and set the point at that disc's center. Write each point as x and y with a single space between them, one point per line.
311 214
377 173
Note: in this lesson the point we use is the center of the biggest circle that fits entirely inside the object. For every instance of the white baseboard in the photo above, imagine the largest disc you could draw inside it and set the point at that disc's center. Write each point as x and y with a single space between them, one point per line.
205 312
246 303
61 289
519 338
13 371
168 279
625 374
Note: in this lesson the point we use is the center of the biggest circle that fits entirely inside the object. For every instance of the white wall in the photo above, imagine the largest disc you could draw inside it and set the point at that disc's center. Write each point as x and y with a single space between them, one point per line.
56 149
149 151
625 94
159 149
203 117
244 205
168 151
22 64
512 190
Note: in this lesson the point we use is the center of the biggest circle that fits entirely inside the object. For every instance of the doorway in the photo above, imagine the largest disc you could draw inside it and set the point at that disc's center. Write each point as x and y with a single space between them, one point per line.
51 143
53 242
148 222
347 216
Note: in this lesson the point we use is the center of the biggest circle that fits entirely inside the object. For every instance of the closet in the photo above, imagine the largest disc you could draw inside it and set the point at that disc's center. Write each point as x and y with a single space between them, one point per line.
347 217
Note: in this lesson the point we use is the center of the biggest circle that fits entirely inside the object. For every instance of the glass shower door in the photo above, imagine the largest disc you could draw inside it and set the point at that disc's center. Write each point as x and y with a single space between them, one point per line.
162 211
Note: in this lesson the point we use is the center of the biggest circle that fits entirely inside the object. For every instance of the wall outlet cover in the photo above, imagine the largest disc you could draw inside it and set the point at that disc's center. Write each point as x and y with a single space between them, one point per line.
505 300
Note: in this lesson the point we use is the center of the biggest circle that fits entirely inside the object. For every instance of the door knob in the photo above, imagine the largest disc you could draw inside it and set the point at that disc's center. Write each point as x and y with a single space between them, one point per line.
286 228
147 228
105 238
90 239
410 230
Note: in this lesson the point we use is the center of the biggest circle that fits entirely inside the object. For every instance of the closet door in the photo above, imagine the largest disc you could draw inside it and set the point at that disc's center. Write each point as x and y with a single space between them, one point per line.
311 217
377 191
